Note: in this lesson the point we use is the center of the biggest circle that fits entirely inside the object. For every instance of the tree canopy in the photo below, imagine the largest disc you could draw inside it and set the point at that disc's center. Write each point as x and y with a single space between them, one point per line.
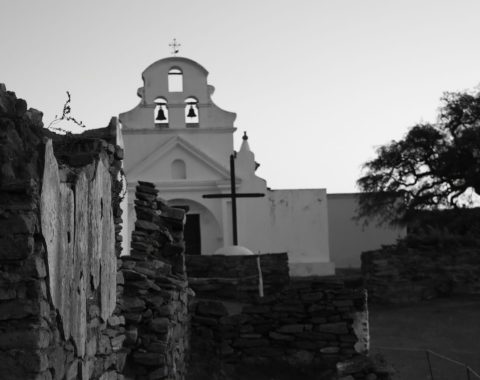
436 165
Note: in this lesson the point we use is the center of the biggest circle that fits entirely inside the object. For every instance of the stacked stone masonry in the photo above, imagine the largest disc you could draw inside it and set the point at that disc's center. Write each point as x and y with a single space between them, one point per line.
155 293
237 277
310 323
403 273
57 253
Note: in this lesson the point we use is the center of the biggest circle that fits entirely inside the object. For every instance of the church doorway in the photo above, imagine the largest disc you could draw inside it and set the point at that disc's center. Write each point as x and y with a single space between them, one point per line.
193 241
202 232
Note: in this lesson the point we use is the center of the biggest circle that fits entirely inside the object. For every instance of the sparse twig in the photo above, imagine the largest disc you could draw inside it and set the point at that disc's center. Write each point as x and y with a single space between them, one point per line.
65 116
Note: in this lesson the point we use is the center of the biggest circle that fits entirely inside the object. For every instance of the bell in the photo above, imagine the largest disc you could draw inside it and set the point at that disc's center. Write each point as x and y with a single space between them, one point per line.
160 115
191 112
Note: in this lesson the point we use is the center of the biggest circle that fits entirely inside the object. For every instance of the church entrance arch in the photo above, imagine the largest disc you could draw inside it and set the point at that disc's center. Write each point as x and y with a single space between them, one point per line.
203 234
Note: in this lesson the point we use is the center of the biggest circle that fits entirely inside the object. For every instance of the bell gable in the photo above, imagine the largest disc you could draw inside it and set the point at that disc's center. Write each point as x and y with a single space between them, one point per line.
175 94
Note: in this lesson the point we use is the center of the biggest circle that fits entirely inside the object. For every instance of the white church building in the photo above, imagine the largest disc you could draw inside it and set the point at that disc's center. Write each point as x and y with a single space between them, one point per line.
179 139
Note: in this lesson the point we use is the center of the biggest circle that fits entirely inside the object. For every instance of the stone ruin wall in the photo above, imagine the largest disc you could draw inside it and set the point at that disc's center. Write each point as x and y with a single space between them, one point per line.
155 291
70 306
237 277
59 239
311 323
401 274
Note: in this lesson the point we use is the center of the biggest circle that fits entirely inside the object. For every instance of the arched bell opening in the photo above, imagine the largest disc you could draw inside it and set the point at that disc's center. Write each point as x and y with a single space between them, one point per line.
191 112
160 113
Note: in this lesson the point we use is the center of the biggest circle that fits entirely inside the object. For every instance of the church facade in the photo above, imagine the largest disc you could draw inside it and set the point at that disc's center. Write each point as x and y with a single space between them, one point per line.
177 138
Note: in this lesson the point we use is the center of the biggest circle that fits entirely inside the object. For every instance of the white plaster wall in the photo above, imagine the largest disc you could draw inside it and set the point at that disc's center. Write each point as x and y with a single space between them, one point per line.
139 146
349 239
254 230
162 169
299 225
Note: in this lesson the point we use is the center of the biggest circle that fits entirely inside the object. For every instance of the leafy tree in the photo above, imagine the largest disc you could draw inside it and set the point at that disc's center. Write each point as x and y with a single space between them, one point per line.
435 166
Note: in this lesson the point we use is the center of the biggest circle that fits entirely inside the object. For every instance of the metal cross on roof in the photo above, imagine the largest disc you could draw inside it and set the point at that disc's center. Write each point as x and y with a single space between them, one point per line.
175 46
233 196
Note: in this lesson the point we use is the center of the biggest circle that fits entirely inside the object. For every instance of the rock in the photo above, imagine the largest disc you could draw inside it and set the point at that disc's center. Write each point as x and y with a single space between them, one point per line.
6 103
120 362
330 350
21 339
131 336
145 196
160 325
354 365
119 153
277 336
104 346
205 320
211 308
147 184
132 275
290 308
72 371
257 309
149 359
157 347
301 357
35 117
270 352
311 297
335 328
19 223
20 107
117 342
146 226
17 309
133 304
165 310
92 346
243 342
15 247
159 373
291 329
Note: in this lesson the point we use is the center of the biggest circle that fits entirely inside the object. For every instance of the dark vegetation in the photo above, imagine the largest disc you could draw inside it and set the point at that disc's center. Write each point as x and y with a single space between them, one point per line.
435 166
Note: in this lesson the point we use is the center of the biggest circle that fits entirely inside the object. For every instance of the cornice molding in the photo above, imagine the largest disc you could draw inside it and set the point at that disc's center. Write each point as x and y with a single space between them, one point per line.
171 131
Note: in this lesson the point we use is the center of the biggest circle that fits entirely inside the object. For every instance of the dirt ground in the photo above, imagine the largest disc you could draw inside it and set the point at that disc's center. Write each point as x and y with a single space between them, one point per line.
447 326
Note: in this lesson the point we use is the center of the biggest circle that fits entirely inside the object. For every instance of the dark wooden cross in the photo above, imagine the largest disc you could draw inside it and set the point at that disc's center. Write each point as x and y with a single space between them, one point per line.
233 196
175 46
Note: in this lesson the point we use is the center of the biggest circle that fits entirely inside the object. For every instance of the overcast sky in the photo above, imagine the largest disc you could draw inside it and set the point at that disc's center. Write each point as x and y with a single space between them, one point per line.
316 84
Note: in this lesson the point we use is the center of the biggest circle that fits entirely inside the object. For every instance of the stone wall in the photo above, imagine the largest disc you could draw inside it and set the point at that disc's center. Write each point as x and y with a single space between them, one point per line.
58 224
237 278
154 291
416 271
312 323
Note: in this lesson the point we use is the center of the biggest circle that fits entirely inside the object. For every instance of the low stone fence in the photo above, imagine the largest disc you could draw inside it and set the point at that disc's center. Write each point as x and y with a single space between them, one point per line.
404 274
312 322
237 278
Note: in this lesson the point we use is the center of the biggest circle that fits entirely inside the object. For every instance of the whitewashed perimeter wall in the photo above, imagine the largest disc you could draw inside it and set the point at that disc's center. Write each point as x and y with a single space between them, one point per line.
348 239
